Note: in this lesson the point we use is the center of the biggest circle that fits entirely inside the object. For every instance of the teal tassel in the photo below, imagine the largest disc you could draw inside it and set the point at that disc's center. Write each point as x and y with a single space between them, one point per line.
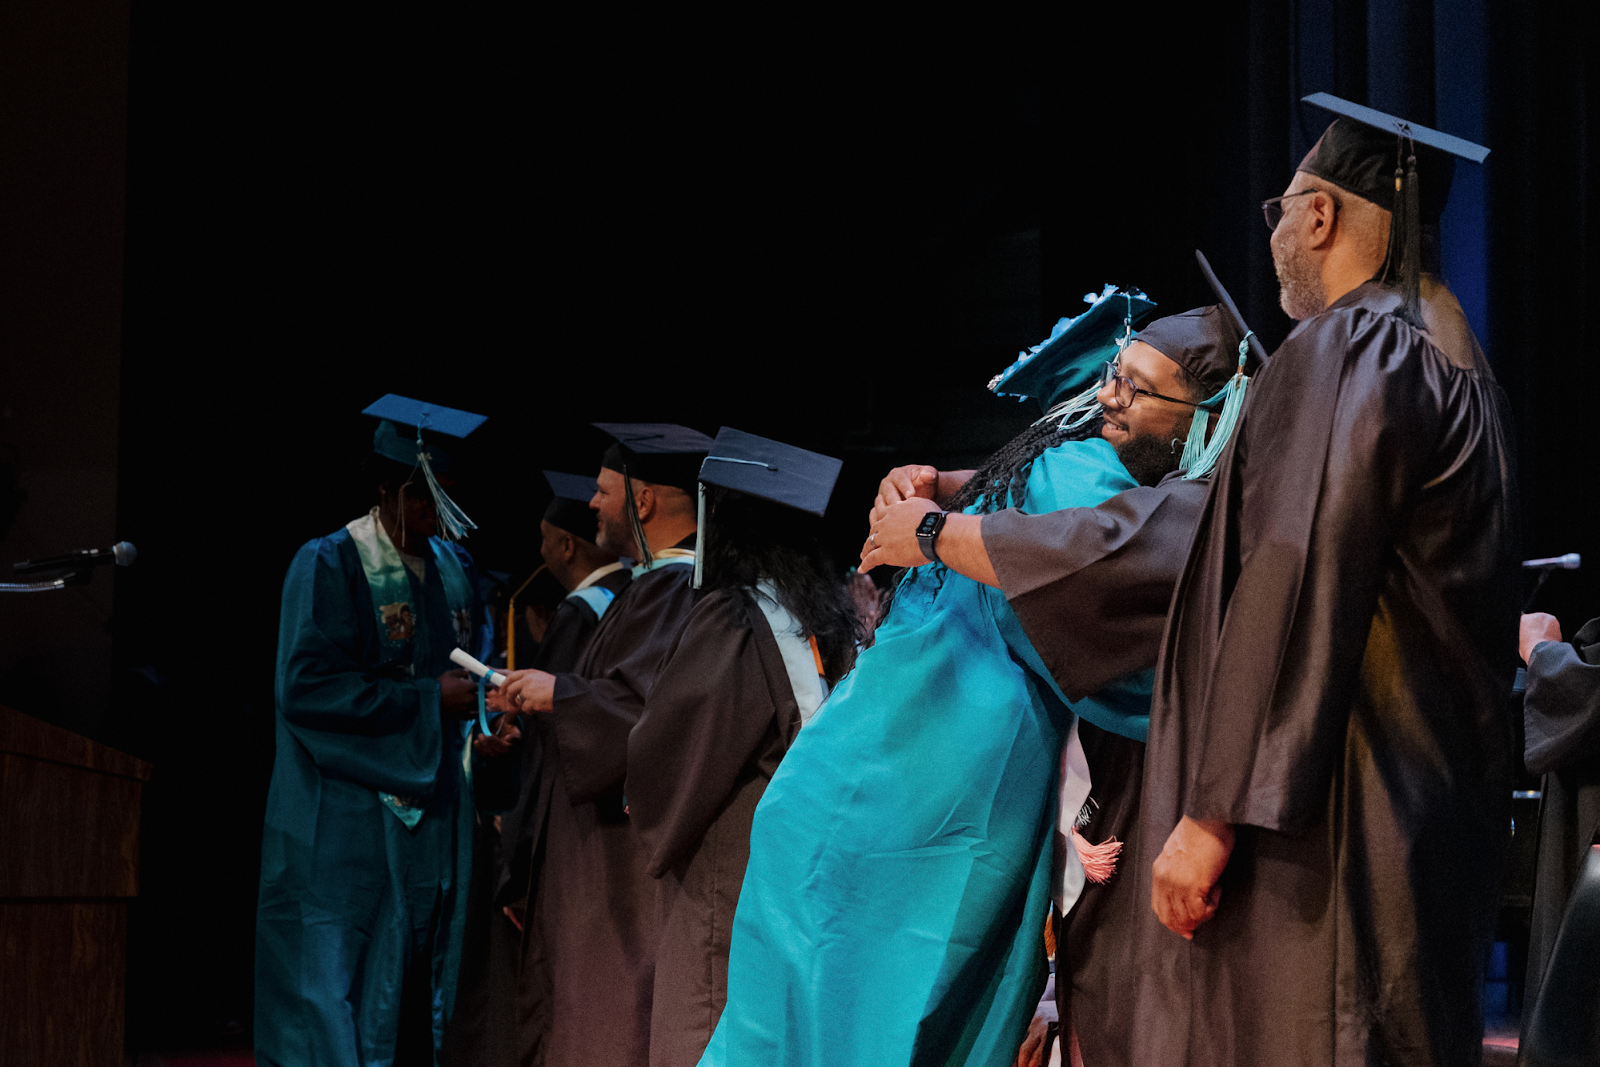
1079 409
1200 458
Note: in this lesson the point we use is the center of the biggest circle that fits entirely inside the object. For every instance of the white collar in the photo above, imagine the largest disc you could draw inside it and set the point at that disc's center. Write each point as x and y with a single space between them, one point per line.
597 574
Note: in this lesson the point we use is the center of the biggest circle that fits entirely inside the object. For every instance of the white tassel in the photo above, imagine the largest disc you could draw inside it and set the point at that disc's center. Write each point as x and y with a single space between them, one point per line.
452 520
700 535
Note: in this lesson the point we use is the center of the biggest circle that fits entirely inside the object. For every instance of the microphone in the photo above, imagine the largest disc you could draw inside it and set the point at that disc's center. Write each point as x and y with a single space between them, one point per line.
1569 562
122 554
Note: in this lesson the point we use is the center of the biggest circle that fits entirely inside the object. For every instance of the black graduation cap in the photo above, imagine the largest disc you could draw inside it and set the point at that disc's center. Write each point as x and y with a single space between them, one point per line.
768 469
570 510
414 450
417 416
657 452
1403 167
771 470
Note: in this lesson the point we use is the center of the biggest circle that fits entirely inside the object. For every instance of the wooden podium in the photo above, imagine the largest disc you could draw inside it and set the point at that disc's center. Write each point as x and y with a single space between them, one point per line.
69 864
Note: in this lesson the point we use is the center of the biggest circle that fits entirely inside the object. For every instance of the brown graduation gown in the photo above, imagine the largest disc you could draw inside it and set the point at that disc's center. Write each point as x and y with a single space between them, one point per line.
597 913
717 723
1091 587
522 851
1334 680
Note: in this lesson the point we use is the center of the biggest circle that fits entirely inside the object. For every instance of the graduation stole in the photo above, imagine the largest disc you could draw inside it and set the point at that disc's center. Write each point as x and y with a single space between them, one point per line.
390 583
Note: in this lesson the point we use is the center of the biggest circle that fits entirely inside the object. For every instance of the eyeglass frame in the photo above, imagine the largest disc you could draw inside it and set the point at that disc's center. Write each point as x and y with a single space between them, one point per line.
1275 203
1109 375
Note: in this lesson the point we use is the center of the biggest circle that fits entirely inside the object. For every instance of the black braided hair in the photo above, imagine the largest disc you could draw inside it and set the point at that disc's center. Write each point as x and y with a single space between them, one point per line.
1003 478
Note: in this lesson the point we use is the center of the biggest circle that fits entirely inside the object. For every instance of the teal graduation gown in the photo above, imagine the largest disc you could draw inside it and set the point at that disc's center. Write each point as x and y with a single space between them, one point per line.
348 892
894 904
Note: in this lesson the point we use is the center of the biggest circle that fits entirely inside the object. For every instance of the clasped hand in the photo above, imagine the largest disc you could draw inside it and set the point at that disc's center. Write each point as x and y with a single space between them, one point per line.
904 496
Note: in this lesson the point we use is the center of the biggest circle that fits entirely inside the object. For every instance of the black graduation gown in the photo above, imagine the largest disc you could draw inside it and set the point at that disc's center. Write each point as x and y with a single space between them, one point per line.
717 723
1334 680
1091 587
522 828
503 1004
597 913
1561 714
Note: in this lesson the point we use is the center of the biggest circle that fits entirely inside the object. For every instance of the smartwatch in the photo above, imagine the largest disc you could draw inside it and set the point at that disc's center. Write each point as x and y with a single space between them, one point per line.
928 533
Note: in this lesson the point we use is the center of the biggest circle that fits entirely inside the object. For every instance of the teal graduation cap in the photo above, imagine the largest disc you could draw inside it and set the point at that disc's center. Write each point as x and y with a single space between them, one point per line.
411 447
770 470
1063 371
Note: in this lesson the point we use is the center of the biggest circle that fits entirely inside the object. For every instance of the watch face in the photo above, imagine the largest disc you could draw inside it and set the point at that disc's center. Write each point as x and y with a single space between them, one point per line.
929 523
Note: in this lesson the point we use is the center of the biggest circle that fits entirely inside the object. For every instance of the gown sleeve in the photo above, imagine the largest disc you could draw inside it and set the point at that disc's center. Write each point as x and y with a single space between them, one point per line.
1091 585
596 706
1561 711
356 722
703 727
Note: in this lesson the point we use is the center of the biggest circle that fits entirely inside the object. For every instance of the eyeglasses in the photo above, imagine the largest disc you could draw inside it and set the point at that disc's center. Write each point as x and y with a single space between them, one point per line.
1125 391
1273 208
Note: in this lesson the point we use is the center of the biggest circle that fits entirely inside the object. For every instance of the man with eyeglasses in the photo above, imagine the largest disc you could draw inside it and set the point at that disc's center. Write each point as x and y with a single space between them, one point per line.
1328 763
1090 587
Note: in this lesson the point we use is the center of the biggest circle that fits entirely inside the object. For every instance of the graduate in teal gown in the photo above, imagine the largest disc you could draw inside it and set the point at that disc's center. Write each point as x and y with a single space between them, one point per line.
367 844
899 877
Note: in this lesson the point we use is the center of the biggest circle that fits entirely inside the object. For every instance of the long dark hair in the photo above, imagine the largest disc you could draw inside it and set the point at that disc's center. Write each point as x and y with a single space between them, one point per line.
1002 480
748 540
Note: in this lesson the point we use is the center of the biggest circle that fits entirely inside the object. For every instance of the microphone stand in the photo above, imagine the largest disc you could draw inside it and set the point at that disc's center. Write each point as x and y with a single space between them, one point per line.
77 577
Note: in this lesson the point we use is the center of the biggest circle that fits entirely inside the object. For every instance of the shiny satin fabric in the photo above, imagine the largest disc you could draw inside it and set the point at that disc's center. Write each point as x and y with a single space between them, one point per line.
1334 679
898 879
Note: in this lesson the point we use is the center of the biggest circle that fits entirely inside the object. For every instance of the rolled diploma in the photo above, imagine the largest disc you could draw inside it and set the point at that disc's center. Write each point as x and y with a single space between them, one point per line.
461 659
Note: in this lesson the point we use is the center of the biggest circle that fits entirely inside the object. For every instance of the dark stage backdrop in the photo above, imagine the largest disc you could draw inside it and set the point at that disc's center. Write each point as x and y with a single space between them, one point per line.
833 234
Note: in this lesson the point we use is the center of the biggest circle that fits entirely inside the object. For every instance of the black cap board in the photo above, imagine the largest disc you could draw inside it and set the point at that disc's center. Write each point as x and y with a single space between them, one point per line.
1203 341
771 470
1456 146
1226 301
657 452
570 510
1403 167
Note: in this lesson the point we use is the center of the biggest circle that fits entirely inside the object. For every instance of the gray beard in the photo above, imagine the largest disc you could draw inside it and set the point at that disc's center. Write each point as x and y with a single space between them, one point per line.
1149 458
1300 291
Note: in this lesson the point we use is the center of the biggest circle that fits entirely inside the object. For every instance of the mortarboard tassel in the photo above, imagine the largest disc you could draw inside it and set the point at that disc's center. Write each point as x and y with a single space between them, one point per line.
452 519
1200 458
1411 264
634 524
700 534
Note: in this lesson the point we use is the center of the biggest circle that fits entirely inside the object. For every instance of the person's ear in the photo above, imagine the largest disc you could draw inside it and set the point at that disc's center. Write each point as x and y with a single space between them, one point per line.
644 499
569 548
1322 220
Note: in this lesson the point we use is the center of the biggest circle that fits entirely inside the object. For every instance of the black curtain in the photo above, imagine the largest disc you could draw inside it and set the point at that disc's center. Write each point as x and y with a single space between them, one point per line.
833 234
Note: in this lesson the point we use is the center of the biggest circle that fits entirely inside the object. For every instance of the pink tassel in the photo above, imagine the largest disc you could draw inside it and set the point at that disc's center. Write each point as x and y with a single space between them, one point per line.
1099 861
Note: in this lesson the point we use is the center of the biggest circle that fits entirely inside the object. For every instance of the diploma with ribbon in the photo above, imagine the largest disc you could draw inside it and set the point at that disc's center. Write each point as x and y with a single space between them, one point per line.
485 675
